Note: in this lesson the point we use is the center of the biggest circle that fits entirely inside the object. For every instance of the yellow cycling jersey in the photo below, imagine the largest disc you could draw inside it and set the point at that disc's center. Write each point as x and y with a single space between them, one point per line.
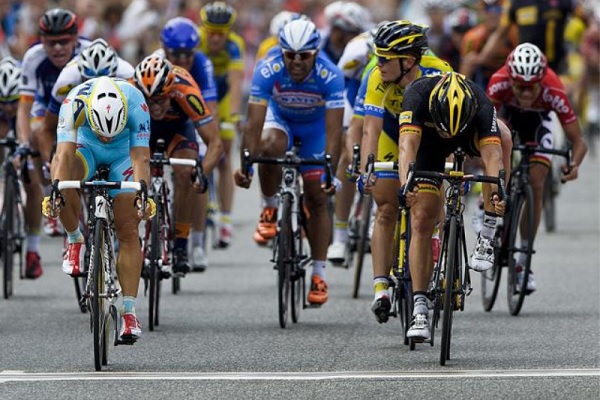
230 58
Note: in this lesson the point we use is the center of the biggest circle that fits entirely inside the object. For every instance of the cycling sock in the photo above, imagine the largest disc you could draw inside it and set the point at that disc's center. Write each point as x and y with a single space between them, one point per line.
489 225
197 239
33 243
380 286
128 305
271 202
420 303
319 268
75 237
522 257
340 233
225 218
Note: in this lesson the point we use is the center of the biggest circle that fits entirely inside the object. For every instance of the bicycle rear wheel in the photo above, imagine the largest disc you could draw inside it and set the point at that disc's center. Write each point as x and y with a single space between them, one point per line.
284 259
520 257
449 295
490 279
362 245
99 300
155 254
8 244
549 203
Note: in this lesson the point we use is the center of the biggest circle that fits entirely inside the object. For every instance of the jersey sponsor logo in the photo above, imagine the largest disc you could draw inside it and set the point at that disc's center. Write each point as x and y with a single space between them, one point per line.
144 107
324 73
498 87
299 99
78 111
389 157
494 128
61 123
144 127
405 117
63 91
526 15
410 130
196 104
270 69
558 102
128 174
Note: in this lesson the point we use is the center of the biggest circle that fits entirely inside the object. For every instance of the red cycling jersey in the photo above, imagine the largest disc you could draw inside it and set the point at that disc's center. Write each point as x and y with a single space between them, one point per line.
552 97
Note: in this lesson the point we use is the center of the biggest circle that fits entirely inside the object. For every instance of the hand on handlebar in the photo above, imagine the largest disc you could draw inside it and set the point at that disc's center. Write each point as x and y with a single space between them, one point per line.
242 180
570 172
51 205
334 187
365 183
499 206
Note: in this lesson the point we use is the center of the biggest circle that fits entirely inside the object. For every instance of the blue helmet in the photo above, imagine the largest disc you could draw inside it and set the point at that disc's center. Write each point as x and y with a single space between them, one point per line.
180 33
299 35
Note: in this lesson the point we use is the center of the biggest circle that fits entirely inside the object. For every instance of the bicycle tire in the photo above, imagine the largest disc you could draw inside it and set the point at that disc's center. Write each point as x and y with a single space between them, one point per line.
154 256
449 295
7 239
362 242
98 298
490 279
284 259
549 203
523 208
404 287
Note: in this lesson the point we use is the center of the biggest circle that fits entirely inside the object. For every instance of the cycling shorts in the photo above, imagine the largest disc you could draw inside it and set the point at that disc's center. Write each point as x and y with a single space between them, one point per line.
224 107
176 134
532 126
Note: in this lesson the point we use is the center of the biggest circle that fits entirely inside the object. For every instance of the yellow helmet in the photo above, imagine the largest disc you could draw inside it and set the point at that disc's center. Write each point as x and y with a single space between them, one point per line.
452 104
218 16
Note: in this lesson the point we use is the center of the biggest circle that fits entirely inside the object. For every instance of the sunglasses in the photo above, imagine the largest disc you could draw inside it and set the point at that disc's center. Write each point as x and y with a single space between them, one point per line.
157 100
180 53
298 55
60 42
521 87
384 60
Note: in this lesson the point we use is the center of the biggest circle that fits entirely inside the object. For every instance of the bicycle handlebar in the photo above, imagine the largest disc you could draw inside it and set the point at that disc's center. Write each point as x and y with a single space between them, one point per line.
99 184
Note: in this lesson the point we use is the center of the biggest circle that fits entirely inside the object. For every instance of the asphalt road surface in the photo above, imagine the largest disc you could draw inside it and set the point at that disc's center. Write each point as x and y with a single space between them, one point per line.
219 338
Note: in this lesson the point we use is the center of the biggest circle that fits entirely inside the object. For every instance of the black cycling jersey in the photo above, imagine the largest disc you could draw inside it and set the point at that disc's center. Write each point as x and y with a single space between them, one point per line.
433 149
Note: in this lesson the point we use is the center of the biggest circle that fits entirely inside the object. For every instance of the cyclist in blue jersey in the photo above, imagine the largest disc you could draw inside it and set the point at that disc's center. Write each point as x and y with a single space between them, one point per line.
180 41
106 121
298 94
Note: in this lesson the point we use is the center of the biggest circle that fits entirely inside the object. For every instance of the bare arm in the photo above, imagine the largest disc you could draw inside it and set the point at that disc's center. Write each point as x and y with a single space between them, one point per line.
47 136
23 127
140 161
255 119
210 135
235 80
573 133
63 161
372 127
333 127
408 145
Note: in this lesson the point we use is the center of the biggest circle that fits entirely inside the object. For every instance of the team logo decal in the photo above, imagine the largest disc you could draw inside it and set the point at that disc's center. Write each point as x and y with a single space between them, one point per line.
196 104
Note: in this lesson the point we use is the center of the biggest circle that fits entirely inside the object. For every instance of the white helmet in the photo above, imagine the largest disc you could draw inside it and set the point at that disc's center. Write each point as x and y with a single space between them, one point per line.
299 35
349 17
282 18
10 78
106 108
97 59
526 63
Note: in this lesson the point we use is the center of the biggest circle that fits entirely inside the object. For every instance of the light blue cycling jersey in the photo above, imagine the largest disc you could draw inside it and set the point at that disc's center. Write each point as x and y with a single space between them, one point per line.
73 127
298 102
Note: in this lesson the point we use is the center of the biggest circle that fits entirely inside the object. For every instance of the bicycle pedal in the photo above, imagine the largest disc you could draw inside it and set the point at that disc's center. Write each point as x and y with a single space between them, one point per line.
125 341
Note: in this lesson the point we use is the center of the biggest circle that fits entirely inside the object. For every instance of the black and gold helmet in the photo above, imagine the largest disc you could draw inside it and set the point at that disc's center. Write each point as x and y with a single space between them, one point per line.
398 38
452 104
217 16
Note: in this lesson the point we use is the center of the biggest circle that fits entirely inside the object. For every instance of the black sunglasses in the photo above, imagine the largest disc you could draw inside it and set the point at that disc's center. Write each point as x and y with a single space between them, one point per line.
298 55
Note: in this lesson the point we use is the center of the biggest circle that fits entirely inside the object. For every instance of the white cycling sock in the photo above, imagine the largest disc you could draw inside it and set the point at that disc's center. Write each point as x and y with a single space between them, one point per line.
319 268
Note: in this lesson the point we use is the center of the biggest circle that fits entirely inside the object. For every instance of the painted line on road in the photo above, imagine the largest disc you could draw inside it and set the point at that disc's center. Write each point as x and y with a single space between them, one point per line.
21 376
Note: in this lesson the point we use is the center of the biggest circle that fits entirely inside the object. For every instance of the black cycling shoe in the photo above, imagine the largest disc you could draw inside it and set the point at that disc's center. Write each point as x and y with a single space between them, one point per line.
180 264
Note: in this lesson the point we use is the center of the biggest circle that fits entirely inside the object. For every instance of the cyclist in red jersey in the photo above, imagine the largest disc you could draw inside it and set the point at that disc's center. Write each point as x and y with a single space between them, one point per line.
525 91
177 112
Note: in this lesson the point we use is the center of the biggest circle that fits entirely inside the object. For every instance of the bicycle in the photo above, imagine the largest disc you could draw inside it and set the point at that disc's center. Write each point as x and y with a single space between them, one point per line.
507 241
451 281
102 290
158 231
400 282
360 223
12 217
289 254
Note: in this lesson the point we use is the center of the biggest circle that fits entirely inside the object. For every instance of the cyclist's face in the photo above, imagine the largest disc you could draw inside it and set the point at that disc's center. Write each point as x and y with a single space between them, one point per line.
299 64
389 68
216 40
59 48
182 58
158 106
526 94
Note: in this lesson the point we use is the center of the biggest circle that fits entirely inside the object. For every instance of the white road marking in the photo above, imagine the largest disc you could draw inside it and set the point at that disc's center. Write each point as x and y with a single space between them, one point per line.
21 376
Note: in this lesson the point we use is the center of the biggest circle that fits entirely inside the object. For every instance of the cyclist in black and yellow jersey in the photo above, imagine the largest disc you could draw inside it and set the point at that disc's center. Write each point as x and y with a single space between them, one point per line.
399 48
440 114
226 51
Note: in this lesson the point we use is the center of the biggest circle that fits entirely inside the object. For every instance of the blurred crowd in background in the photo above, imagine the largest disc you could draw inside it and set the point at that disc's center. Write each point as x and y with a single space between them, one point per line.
132 27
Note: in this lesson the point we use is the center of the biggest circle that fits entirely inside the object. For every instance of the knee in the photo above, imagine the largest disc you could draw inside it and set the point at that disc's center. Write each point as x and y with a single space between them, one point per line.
273 143
127 231
182 176
387 214
422 221
315 201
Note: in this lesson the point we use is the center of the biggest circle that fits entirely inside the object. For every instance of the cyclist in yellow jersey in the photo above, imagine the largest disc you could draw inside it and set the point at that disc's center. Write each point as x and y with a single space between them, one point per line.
226 51
399 47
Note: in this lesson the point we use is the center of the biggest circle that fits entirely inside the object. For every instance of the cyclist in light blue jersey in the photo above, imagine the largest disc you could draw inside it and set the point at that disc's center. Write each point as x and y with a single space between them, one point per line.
297 94
105 121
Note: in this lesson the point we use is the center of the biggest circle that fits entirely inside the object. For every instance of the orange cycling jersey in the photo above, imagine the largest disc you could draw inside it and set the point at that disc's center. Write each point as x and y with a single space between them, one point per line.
186 100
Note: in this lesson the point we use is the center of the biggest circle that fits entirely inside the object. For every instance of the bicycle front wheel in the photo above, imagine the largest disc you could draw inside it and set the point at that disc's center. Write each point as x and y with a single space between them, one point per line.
549 203
154 255
284 259
520 249
362 245
8 244
449 295
99 300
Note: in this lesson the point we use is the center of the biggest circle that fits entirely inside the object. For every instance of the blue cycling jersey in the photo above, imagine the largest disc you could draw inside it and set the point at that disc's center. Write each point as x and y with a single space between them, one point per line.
298 102
204 74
